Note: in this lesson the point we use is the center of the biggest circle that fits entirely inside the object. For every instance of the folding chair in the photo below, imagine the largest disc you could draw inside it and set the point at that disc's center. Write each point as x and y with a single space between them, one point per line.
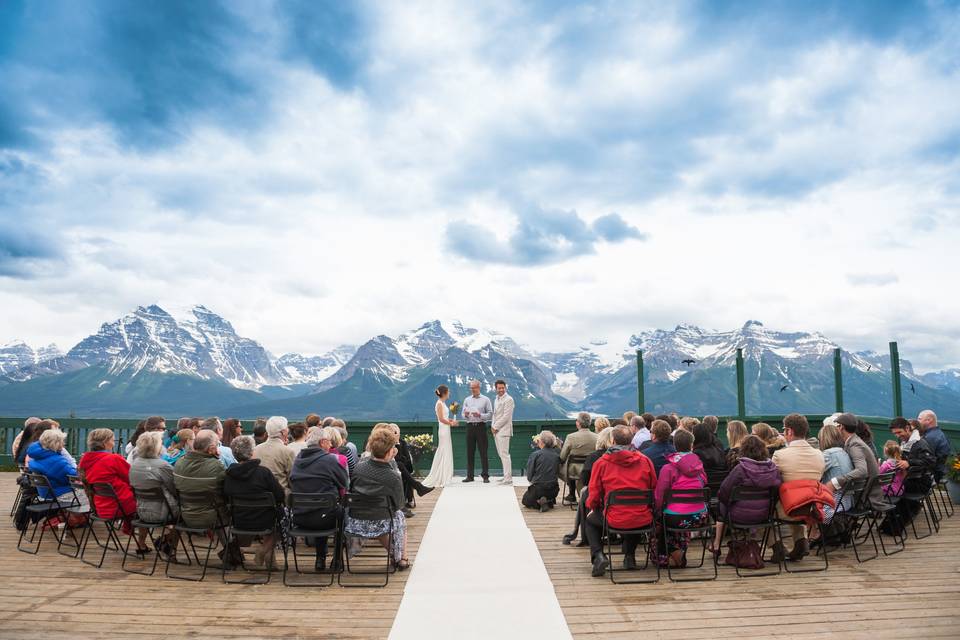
571 484
821 549
105 491
917 476
634 498
19 497
715 478
373 504
77 507
744 493
889 510
859 513
690 496
306 502
945 504
157 495
41 511
198 501
240 509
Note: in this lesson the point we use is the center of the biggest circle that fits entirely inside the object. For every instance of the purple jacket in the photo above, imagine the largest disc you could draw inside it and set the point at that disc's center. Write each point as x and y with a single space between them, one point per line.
749 473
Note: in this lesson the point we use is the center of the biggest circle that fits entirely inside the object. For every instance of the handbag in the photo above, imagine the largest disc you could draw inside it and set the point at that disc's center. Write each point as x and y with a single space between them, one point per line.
744 554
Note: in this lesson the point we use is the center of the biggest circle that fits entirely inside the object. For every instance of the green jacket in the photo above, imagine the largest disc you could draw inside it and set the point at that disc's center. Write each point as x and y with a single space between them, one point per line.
201 472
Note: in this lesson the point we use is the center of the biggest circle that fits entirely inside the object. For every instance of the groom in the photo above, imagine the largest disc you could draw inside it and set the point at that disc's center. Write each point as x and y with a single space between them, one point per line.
503 428
476 412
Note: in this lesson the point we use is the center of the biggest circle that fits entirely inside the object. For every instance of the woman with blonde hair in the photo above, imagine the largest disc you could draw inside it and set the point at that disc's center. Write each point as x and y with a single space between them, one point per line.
604 442
736 432
836 461
601 423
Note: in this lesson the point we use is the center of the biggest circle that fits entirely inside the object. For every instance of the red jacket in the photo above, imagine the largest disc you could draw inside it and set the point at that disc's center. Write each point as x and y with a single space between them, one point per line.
622 469
112 468
804 500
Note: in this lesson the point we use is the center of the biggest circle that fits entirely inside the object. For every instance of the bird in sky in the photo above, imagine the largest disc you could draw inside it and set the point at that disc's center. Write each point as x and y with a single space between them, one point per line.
688 361
784 388
913 389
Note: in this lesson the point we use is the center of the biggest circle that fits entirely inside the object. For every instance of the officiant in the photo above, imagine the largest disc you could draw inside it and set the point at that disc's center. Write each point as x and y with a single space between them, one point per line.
477 411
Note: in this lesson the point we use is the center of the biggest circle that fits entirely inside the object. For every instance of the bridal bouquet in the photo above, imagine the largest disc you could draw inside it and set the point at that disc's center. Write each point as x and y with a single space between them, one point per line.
454 408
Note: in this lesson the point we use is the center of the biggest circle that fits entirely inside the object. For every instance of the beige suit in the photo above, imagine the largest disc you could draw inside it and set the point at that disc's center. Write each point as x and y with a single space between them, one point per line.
502 427
277 457
582 442
798 461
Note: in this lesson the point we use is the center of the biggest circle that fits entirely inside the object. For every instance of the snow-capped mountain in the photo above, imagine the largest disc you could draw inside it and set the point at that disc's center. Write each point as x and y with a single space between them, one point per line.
946 379
302 369
18 355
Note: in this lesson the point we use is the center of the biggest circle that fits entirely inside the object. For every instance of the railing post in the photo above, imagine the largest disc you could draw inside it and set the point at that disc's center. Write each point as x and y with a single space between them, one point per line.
838 380
741 390
895 375
640 400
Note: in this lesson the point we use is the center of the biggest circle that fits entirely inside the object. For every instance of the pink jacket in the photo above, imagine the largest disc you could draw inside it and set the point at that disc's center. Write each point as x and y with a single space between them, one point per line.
896 487
682 471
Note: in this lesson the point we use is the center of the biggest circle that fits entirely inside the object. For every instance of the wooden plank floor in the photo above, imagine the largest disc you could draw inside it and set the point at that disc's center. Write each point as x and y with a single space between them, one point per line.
52 596
909 595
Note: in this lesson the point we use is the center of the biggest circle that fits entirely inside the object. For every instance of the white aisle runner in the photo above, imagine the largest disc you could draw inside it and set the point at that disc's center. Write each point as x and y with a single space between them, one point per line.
478 573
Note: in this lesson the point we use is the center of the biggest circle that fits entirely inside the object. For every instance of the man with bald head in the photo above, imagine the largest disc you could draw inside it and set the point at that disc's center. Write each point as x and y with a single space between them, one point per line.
937 440
477 411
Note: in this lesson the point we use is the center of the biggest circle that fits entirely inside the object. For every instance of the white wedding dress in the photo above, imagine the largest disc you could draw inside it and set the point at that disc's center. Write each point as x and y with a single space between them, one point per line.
441 471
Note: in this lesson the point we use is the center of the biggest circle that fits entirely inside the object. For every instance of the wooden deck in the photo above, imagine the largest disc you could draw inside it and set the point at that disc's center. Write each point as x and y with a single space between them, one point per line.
909 595
51 596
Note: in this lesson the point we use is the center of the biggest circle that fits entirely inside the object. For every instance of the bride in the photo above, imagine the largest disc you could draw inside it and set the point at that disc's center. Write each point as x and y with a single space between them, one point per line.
441 471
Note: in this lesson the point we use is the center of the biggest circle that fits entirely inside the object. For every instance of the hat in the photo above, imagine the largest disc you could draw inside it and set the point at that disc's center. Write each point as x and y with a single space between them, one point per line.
847 420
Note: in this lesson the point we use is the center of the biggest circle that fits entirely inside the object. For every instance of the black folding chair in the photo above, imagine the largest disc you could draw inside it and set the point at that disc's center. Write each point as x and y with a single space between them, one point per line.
158 496
41 511
821 550
79 507
21 480
313 502
944 497
571 484
111 524
706 532
859 514
242 508
715 478
194 501
375 504
888 510
744 493
916 478
631 498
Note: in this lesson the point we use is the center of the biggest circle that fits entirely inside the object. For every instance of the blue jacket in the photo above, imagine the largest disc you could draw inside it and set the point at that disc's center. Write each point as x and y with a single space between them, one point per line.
937 440
54 466
657 452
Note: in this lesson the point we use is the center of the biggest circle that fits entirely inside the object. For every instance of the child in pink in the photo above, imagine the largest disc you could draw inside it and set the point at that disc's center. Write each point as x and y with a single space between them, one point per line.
891 449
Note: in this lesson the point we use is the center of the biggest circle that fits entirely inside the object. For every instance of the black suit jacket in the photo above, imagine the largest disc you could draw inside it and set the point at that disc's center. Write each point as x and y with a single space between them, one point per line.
404 458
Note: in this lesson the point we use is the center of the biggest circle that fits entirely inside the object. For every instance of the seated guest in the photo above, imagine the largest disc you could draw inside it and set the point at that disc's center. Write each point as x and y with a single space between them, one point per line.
917 454
581 442
223 452
736 432
659 447
260 430
543 468
150 425
347 448
891 449
604 442
31 435
754 469
247 478
298 437
836 462
641 432
712 423
862 457
319 468
683 470
708 449
796 461
770 437
46 458
150 471
600 424
199 471
620 468
931 432
180 443
274 453
404 462
100 464
27 424
232 428
132 442
865 434
376 477
341 426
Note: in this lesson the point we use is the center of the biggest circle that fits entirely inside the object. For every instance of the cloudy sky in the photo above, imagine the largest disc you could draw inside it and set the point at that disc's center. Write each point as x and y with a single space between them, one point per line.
319 173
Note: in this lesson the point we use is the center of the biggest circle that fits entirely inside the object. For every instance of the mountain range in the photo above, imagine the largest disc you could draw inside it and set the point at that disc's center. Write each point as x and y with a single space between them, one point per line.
150 361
